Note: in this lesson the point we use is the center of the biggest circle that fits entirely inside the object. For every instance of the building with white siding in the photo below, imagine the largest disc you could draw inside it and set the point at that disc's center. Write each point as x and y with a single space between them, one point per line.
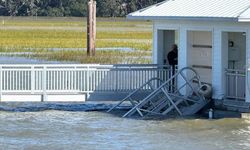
213 36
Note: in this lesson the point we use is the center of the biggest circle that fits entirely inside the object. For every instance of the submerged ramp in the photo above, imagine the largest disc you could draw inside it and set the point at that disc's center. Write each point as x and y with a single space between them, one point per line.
167 98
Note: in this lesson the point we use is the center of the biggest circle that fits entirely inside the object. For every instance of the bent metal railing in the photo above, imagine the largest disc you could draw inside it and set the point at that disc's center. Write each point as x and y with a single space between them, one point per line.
46 79
235 84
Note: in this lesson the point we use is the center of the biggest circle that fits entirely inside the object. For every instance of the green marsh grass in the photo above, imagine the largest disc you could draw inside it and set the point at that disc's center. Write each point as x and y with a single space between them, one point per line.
39 35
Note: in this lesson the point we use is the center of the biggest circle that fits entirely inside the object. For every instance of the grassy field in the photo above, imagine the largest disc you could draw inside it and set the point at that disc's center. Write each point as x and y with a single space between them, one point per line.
42 36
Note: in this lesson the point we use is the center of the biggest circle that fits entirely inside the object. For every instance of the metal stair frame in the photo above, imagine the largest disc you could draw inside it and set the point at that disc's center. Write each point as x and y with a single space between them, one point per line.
170 96
129 97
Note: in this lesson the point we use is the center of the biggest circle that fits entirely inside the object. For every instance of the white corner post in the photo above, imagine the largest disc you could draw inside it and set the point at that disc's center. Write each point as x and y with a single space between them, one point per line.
218 70
182 56
248 66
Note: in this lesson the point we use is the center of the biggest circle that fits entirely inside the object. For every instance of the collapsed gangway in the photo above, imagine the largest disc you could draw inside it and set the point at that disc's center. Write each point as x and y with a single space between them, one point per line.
166 98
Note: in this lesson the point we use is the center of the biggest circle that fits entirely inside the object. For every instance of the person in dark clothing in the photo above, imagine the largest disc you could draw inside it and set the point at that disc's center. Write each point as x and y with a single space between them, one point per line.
173 56
173 61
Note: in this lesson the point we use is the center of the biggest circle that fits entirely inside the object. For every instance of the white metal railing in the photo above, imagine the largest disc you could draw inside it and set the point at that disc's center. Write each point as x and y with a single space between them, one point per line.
235 84
45 79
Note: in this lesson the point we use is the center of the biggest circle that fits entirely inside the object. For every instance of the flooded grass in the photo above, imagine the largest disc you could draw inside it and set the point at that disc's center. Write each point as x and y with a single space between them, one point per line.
102 57
39 35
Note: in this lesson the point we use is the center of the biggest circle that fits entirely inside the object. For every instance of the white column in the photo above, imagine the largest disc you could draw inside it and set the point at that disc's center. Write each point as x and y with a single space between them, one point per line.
248 66
218 72
158 47
183 51
182 56
224 49
156 37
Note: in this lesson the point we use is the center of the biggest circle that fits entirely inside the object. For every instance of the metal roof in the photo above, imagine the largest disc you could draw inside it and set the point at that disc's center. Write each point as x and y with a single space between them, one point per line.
220 10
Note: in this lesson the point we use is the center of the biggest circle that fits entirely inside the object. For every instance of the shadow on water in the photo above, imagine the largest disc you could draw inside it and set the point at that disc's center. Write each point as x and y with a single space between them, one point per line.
35 107
83 107
102 107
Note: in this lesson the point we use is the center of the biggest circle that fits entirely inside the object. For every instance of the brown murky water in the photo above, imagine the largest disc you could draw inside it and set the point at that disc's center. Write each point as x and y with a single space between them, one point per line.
52 129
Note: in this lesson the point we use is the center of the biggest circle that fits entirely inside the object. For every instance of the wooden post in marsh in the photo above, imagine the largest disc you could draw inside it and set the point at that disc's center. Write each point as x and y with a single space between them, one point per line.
91 28
94 28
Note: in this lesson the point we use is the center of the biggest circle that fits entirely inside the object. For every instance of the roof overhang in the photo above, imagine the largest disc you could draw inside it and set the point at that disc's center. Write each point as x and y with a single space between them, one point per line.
244 20
193 10
245 15
221 19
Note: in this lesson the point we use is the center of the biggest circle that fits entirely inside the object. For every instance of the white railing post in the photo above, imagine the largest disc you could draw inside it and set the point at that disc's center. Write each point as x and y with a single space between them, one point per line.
116 79
32 79
1 83
130 79
227 84
74 79
44 83
236 84
88 78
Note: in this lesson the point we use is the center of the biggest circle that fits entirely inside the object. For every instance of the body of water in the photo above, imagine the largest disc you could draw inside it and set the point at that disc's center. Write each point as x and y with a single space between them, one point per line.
70 127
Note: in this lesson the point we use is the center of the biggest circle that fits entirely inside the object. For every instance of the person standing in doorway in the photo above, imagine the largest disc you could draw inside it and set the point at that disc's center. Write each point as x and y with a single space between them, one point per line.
173 56
173 61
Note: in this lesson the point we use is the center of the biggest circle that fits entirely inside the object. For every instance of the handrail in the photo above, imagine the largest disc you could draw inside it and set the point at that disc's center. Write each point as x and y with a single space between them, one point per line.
78 78
128 98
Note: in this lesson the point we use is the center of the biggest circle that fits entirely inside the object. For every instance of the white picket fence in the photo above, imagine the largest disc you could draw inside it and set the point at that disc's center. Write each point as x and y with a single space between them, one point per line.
74 79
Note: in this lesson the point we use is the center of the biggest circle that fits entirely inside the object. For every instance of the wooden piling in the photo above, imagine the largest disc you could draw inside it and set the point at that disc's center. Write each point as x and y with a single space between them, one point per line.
91 28
94 28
